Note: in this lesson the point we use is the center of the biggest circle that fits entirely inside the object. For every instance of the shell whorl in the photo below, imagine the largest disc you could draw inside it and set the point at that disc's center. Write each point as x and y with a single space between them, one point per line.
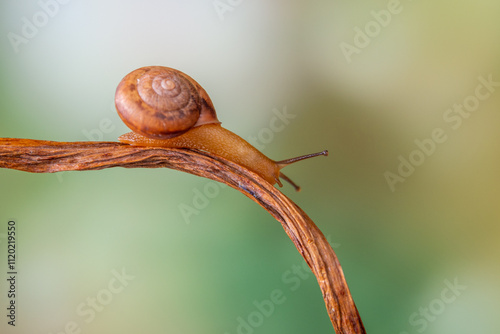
161 102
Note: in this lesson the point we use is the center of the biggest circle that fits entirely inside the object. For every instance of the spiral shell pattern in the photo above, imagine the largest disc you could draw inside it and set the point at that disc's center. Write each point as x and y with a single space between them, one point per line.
161 102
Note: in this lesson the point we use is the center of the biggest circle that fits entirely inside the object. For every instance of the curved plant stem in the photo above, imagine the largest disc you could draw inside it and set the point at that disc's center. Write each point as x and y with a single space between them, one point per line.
39 156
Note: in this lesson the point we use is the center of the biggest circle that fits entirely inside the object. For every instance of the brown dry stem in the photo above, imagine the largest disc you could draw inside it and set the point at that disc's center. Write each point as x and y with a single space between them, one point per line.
39 156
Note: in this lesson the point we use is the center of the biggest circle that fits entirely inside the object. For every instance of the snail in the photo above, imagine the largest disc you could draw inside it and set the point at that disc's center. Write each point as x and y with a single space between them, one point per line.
165 107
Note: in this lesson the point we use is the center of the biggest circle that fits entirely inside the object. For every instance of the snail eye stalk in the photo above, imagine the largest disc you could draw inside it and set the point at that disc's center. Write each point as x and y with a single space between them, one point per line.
283 163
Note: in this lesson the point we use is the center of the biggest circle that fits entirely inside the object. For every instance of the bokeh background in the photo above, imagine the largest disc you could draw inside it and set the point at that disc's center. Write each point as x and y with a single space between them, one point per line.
401 247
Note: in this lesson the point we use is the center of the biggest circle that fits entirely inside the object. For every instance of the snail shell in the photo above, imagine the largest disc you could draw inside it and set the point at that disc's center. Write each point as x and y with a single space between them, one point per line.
161 102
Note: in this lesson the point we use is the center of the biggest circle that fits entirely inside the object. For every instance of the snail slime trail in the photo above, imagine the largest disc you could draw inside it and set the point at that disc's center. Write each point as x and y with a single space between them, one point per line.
166 108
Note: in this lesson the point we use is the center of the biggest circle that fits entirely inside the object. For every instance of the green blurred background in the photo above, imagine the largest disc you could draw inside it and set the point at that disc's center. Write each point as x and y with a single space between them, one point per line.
401 247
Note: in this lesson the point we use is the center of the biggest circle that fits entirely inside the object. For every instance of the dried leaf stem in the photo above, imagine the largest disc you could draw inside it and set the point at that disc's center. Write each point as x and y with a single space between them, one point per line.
40 156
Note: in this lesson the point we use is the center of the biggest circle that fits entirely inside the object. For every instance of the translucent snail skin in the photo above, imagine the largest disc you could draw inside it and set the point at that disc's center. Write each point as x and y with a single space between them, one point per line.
166 108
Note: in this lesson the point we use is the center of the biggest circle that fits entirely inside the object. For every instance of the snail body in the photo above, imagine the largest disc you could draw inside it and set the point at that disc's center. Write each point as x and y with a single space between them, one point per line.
214 138
166 108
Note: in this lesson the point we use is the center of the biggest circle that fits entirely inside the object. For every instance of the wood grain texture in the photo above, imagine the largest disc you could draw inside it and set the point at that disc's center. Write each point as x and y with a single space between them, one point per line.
39 156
